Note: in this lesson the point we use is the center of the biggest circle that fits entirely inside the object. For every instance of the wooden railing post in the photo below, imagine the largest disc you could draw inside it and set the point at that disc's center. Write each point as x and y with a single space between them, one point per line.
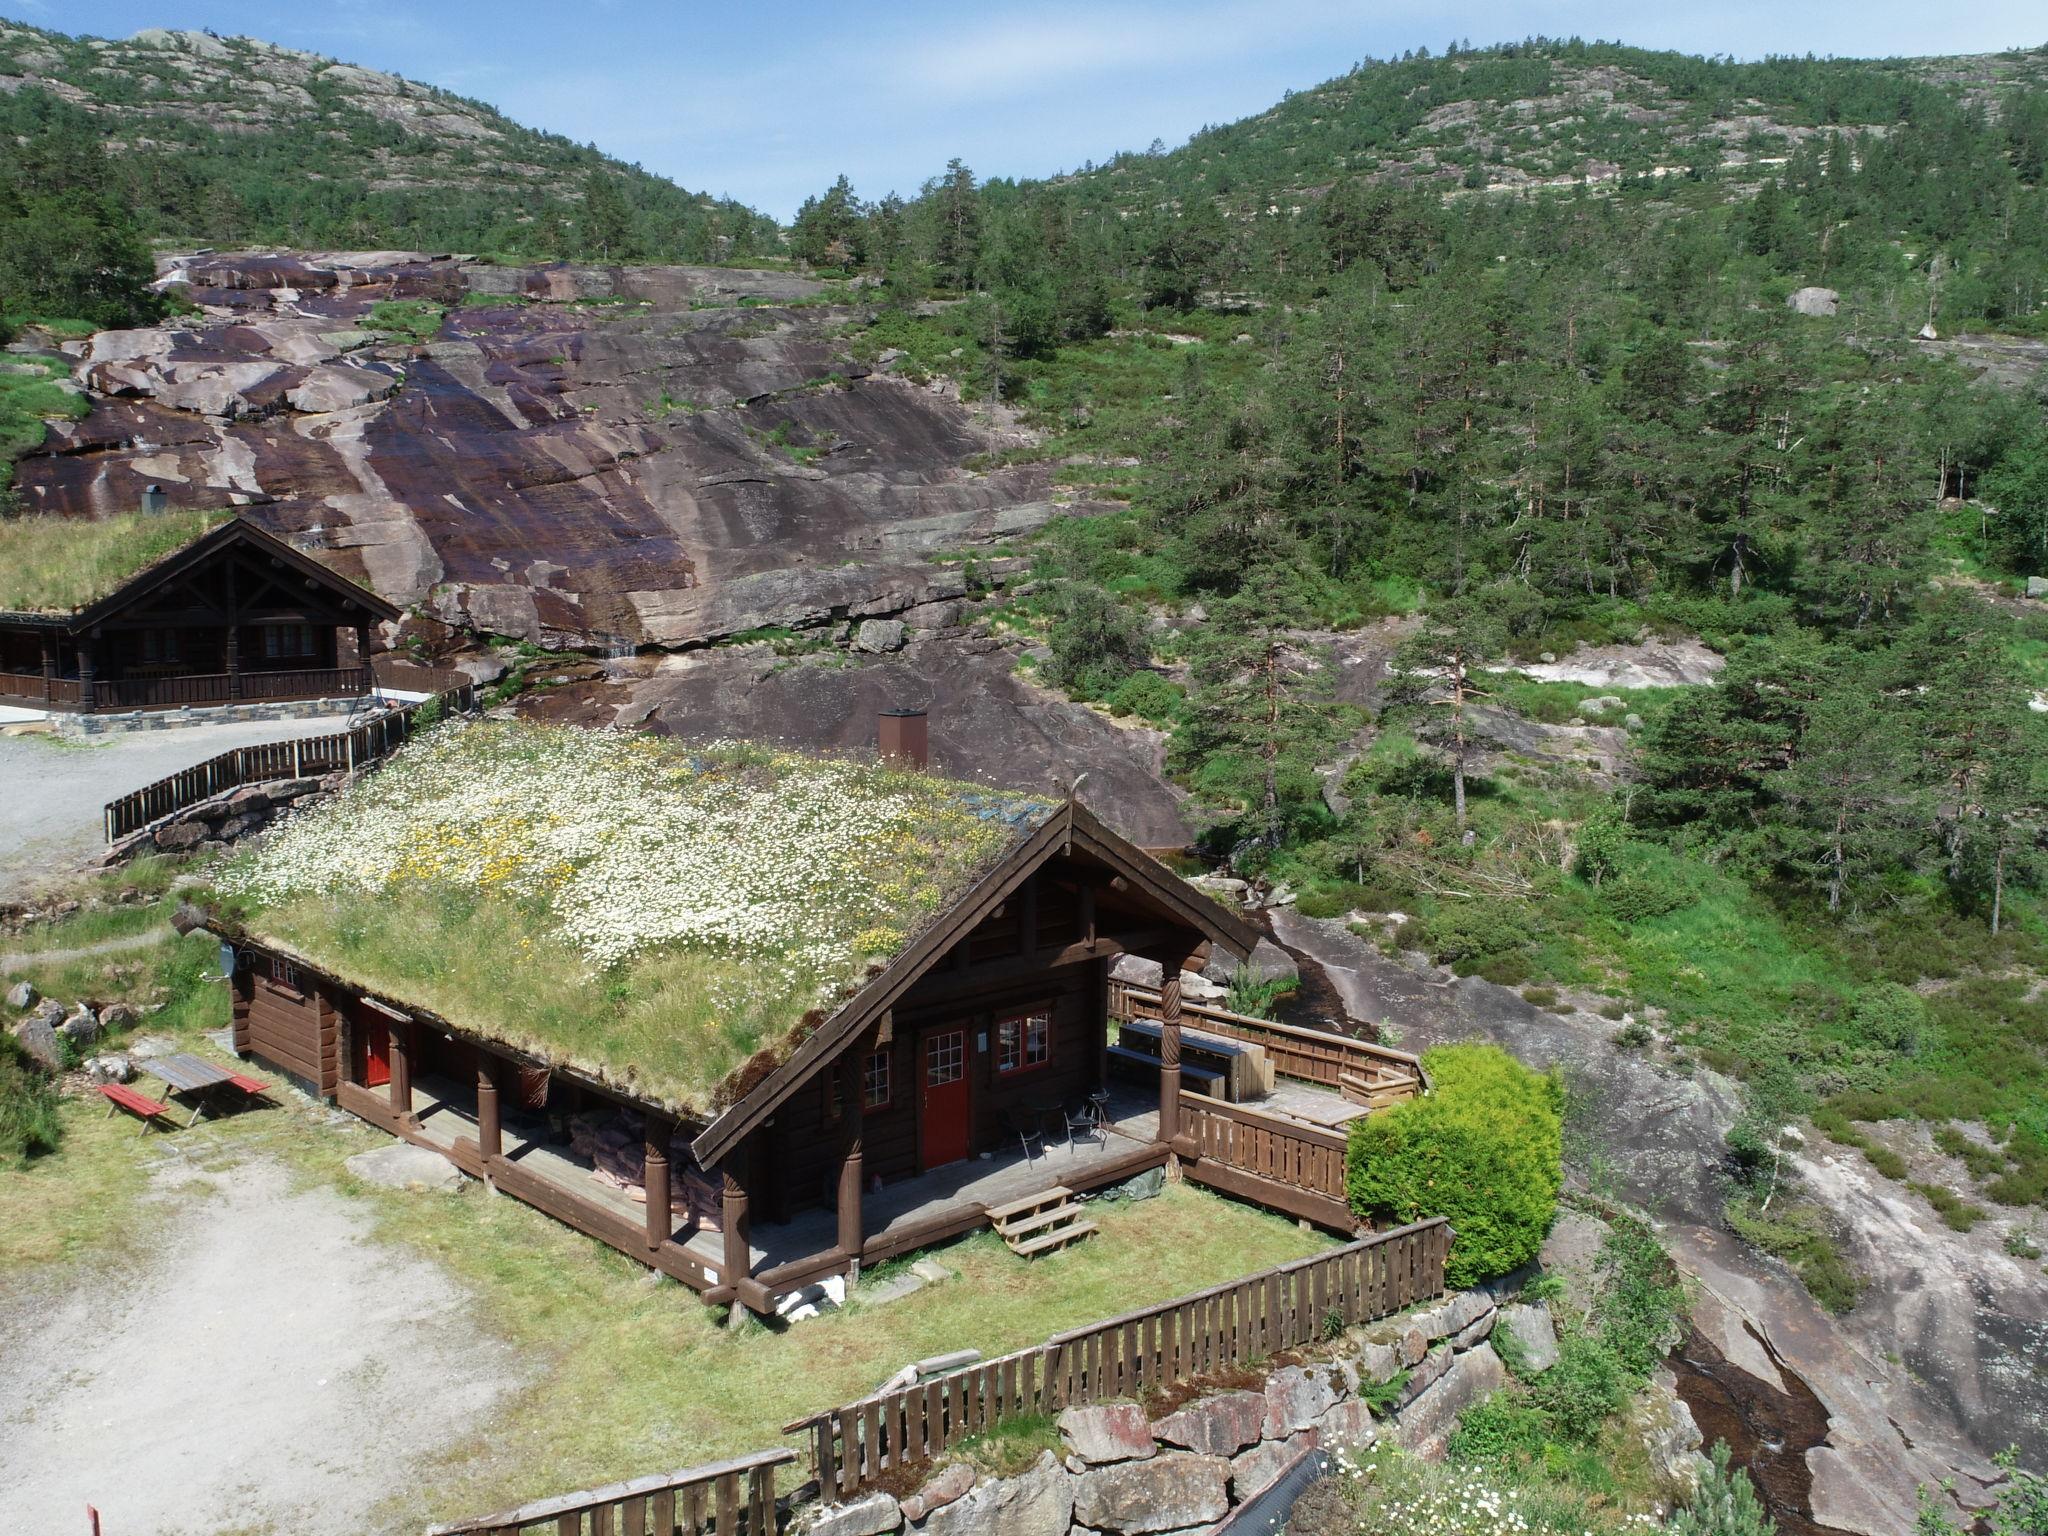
736 1255
400 1033
852 1107
490 1140
660 1220
1169 1047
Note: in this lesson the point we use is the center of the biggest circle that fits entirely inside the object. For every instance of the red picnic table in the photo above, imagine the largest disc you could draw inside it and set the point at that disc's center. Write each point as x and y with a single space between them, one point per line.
183 1075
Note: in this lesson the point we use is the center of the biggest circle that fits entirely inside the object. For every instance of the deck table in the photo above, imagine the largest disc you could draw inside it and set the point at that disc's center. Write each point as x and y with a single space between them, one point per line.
185 1074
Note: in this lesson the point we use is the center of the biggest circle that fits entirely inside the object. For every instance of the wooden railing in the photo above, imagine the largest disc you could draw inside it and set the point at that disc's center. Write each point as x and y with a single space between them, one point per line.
30 687
225 687
726 1498
1176 1341
1377 1075
297 759
1286 1151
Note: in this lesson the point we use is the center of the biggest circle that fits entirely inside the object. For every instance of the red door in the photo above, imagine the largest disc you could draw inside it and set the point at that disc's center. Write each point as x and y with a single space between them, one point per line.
942 1103
376 1053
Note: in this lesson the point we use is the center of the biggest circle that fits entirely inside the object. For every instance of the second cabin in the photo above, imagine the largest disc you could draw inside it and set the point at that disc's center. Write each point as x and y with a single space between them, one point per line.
759 1019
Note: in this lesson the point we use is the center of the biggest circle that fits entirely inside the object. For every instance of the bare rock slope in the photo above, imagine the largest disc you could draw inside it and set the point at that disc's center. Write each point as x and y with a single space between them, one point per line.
577 456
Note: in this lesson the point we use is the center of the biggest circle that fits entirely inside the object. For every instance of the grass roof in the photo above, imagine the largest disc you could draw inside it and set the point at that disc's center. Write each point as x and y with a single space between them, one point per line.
61 564
652 914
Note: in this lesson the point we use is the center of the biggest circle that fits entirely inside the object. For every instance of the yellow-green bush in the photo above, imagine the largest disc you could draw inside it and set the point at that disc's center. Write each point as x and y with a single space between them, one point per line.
1484 1147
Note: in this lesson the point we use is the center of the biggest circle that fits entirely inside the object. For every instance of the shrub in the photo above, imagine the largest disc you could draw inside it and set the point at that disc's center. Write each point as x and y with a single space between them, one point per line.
1483 1148
1473 931
1724 1504
1539 997
28 1105
1890 1015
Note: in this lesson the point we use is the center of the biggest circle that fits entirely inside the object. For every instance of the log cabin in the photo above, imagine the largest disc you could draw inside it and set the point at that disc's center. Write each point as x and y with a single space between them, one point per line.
180 609
945 1059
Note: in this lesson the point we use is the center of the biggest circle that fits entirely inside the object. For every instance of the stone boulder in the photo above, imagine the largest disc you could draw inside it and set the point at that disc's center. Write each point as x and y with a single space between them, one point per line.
876 637
1295 1398
872 1515
1453 1315
1426 1423
1814 301
38 1038
1258 1468
1168 1493
111 1068
1533 1335
1347 1426
120 1016
1423 1375
401 1165
2037 586
1221 1425
81 1026
1039 1502
22 995
1110 1432
1376 1363
952 1484
1671 1436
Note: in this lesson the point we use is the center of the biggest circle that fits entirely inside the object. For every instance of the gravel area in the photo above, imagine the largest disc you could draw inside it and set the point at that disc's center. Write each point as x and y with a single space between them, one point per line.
51 790
259 1364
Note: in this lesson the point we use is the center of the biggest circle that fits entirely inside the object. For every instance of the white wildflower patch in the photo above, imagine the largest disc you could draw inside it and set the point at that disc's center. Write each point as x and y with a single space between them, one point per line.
788 874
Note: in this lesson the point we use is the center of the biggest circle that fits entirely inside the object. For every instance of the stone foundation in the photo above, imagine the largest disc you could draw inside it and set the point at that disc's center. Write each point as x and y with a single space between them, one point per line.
1121 1472
72 724
228 817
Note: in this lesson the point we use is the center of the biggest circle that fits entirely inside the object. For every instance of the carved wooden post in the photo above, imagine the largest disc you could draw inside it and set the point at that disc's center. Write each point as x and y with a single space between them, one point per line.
85 699
852 1107
737 1260
233 659
1169 1046
362 653
490 1140
659 1218
49 667
401 1067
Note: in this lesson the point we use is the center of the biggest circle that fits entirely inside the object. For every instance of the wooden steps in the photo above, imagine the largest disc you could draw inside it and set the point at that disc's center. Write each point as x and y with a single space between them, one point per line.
1040 1223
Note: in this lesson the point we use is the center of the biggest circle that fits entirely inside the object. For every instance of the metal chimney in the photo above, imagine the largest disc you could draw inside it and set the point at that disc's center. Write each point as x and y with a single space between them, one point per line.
900 733
153 500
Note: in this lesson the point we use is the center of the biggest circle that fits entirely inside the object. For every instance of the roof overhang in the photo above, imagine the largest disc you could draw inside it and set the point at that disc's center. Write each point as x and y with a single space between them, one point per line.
1071 828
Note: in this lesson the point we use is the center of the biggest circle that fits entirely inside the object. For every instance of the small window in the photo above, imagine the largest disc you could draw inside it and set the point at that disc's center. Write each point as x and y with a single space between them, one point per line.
159 646
284 973
282 641
875 1082
1024 1041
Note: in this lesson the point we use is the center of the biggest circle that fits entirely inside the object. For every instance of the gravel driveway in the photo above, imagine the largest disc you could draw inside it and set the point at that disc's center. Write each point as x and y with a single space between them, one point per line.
51 790
268 1366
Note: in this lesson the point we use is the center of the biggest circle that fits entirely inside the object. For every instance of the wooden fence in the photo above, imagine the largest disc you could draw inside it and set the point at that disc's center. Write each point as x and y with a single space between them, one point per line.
726 1498
34 688
1286 1151
1176 1341
1370 1073
298 759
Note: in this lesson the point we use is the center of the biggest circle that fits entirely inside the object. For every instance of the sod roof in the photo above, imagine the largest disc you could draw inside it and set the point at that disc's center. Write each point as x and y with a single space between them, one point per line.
649 914
62 564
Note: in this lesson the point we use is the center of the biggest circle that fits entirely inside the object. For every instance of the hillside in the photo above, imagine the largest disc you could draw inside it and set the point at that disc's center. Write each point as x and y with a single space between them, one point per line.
1551 113
234 140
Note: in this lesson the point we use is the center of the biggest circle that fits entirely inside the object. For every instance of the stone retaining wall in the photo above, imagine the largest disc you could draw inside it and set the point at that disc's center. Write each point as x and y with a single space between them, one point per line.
69 723
228 817
1122 1472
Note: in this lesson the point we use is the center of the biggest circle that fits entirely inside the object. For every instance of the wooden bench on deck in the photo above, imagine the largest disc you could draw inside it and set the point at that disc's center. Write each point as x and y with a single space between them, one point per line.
1193 1078
141 1106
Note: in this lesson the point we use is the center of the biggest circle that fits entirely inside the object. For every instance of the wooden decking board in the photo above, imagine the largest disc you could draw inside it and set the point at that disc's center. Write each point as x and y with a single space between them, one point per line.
1051 1240
1002 1213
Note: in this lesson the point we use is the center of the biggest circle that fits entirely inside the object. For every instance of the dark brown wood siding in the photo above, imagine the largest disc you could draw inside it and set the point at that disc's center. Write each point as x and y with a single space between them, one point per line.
294 1030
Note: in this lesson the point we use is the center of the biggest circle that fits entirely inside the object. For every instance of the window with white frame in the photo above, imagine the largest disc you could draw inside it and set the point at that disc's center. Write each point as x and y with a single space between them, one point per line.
1024 1041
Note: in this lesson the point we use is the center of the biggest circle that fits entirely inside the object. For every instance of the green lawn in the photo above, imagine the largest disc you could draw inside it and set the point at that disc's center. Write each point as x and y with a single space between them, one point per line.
627 1377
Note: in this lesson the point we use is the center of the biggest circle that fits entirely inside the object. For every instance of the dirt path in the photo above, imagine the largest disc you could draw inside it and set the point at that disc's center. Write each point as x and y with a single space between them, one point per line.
113 946
265 1369
1893 1423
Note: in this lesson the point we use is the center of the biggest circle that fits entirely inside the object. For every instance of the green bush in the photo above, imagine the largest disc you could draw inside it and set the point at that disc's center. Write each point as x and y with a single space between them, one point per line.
1470 932
1890 1015
1484 1148
28 1105
1724 1504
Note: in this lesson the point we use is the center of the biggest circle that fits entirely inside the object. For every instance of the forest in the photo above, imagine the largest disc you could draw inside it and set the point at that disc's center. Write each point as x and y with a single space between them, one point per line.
1527 420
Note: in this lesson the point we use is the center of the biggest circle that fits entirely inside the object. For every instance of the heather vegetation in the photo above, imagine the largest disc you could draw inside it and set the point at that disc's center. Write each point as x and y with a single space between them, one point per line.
59 564
1330 381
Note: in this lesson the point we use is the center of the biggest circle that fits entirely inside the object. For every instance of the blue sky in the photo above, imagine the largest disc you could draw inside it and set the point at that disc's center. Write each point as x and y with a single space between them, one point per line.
769 101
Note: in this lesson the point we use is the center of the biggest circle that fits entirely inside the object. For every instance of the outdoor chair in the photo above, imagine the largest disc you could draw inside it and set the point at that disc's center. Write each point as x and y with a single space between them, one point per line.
1084 1123
1030 1135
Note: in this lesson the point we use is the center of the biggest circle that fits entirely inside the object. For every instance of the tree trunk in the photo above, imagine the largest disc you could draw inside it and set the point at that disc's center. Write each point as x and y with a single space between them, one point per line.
1997 888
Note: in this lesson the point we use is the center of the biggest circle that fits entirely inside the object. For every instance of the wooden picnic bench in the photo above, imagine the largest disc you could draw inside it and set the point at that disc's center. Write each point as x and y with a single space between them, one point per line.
196 1078
140 1105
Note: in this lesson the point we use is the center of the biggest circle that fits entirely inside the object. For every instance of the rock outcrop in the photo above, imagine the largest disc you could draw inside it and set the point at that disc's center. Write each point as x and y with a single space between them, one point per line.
578 456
